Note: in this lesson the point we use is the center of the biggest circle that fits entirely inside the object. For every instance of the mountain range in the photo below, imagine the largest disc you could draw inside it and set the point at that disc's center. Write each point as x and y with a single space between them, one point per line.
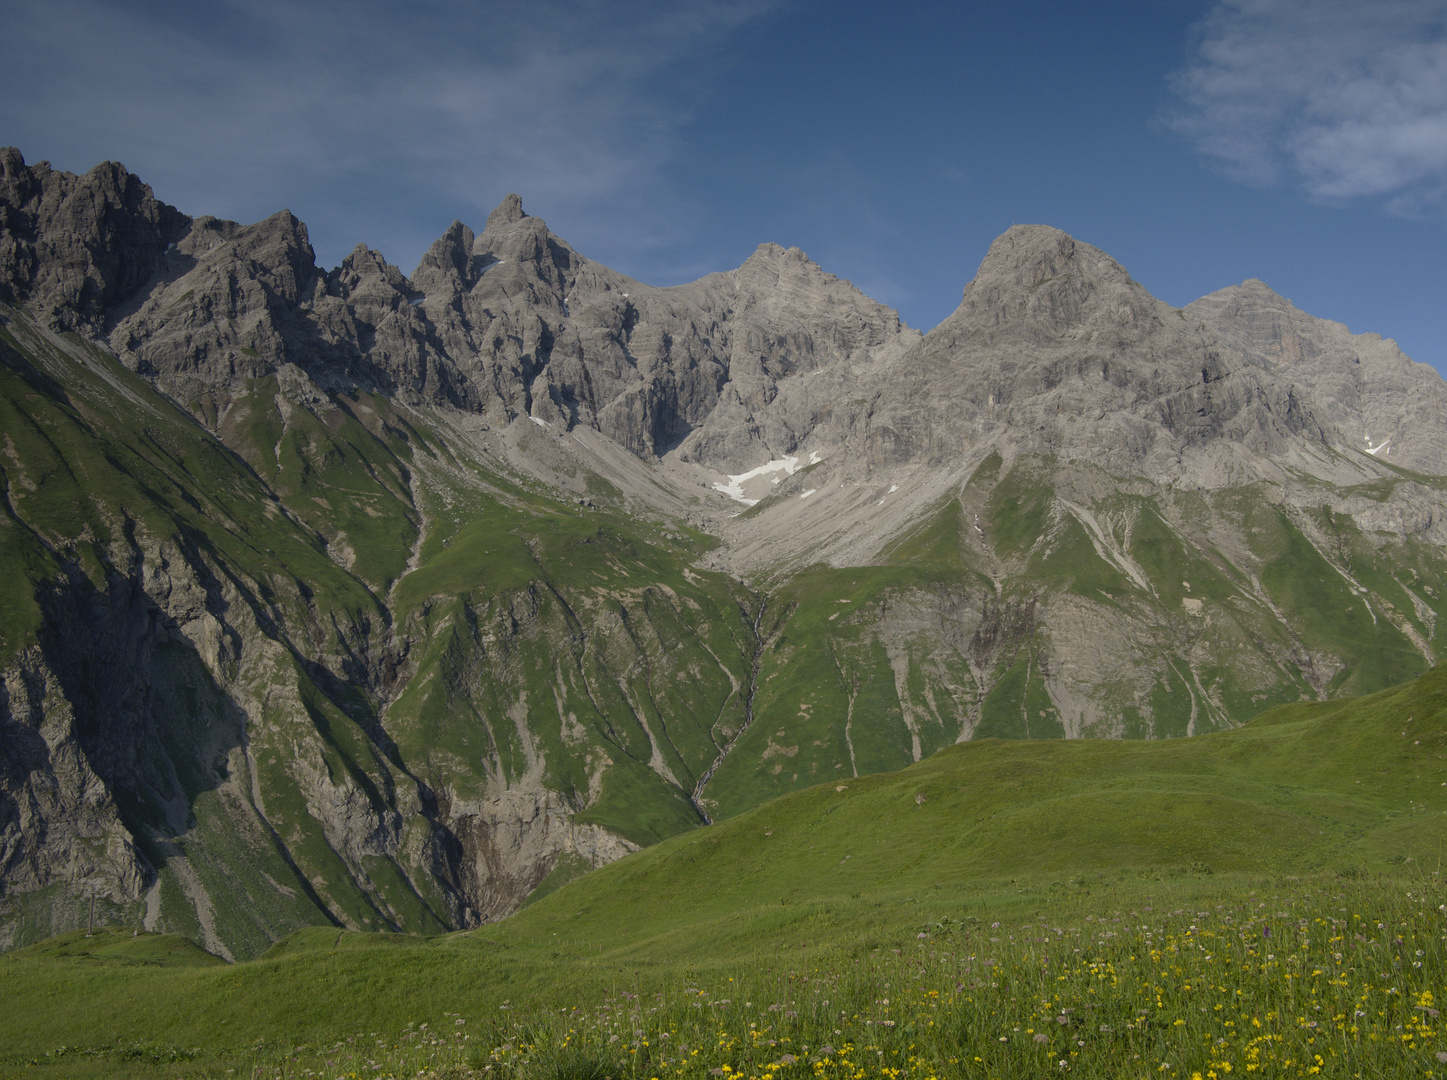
358 598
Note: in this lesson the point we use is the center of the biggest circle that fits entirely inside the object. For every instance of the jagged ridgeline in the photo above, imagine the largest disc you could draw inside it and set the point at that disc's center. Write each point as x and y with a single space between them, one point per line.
387 602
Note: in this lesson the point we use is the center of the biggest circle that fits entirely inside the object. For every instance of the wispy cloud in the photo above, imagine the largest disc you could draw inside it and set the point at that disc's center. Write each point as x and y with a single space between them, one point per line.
371 115
1344 99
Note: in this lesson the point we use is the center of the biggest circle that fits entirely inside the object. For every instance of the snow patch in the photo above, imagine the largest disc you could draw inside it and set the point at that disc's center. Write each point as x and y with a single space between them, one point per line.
1375 450
893 488
814 457
539 421
417 301
808 493
734 489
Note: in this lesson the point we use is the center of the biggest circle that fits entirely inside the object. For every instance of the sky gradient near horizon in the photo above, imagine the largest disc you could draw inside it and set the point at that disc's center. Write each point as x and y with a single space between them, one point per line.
1199 142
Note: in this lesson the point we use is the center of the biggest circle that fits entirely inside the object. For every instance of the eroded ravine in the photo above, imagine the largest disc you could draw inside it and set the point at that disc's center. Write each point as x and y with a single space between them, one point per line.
749 690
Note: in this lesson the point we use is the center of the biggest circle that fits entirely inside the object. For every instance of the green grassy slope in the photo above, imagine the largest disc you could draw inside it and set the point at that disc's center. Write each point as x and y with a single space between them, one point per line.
1322 787
108 483
1018 610
122 948
1012 830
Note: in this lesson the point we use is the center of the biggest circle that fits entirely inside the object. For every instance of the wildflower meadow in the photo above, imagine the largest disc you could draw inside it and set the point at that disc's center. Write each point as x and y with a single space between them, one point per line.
1332 979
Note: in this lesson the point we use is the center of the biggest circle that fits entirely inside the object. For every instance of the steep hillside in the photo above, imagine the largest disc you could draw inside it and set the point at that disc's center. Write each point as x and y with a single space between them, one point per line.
1343 788
222 720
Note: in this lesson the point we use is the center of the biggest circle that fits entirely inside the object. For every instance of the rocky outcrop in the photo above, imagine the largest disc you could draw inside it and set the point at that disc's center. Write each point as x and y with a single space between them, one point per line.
75 247
59 824
511 322
512 842
1382 402
1055 350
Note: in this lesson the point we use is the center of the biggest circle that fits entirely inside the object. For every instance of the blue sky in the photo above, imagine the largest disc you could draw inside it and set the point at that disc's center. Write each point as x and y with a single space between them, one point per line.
1303 142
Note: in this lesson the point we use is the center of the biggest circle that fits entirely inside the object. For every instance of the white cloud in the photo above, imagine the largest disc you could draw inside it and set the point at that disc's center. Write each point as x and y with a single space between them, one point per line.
1345 99
367 118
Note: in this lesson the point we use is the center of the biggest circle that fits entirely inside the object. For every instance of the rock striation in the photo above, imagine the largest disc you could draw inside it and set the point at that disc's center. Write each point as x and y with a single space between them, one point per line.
1380 401
1055 350
509 322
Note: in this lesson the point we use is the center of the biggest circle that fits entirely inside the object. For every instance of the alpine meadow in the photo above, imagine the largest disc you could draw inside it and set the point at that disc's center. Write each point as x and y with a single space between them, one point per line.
513 669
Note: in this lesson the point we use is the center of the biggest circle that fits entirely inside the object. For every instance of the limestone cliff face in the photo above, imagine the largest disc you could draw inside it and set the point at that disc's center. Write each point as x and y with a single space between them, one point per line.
1055 350
74 247
507 323
1053 347
1382 402
60 826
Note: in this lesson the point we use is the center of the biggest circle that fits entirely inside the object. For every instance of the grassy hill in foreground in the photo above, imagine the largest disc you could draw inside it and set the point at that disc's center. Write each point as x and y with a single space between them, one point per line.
1326 810
1334 787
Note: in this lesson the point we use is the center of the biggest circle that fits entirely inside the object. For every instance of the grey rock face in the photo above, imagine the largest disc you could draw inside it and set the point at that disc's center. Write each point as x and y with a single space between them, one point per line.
222 305
508 323
1056 350
74 247
514 839
1053 348
58 819
1384 403
540 331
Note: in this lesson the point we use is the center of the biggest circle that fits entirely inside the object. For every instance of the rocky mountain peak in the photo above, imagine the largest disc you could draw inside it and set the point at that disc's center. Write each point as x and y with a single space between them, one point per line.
782 259
513 253
1038 283
1380 400
512 322
526 240
1028 255
508 212
1029 259
1055 350
772 254
74 246
366 270
1257 286
281 247
1253 316
772 265
448 262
